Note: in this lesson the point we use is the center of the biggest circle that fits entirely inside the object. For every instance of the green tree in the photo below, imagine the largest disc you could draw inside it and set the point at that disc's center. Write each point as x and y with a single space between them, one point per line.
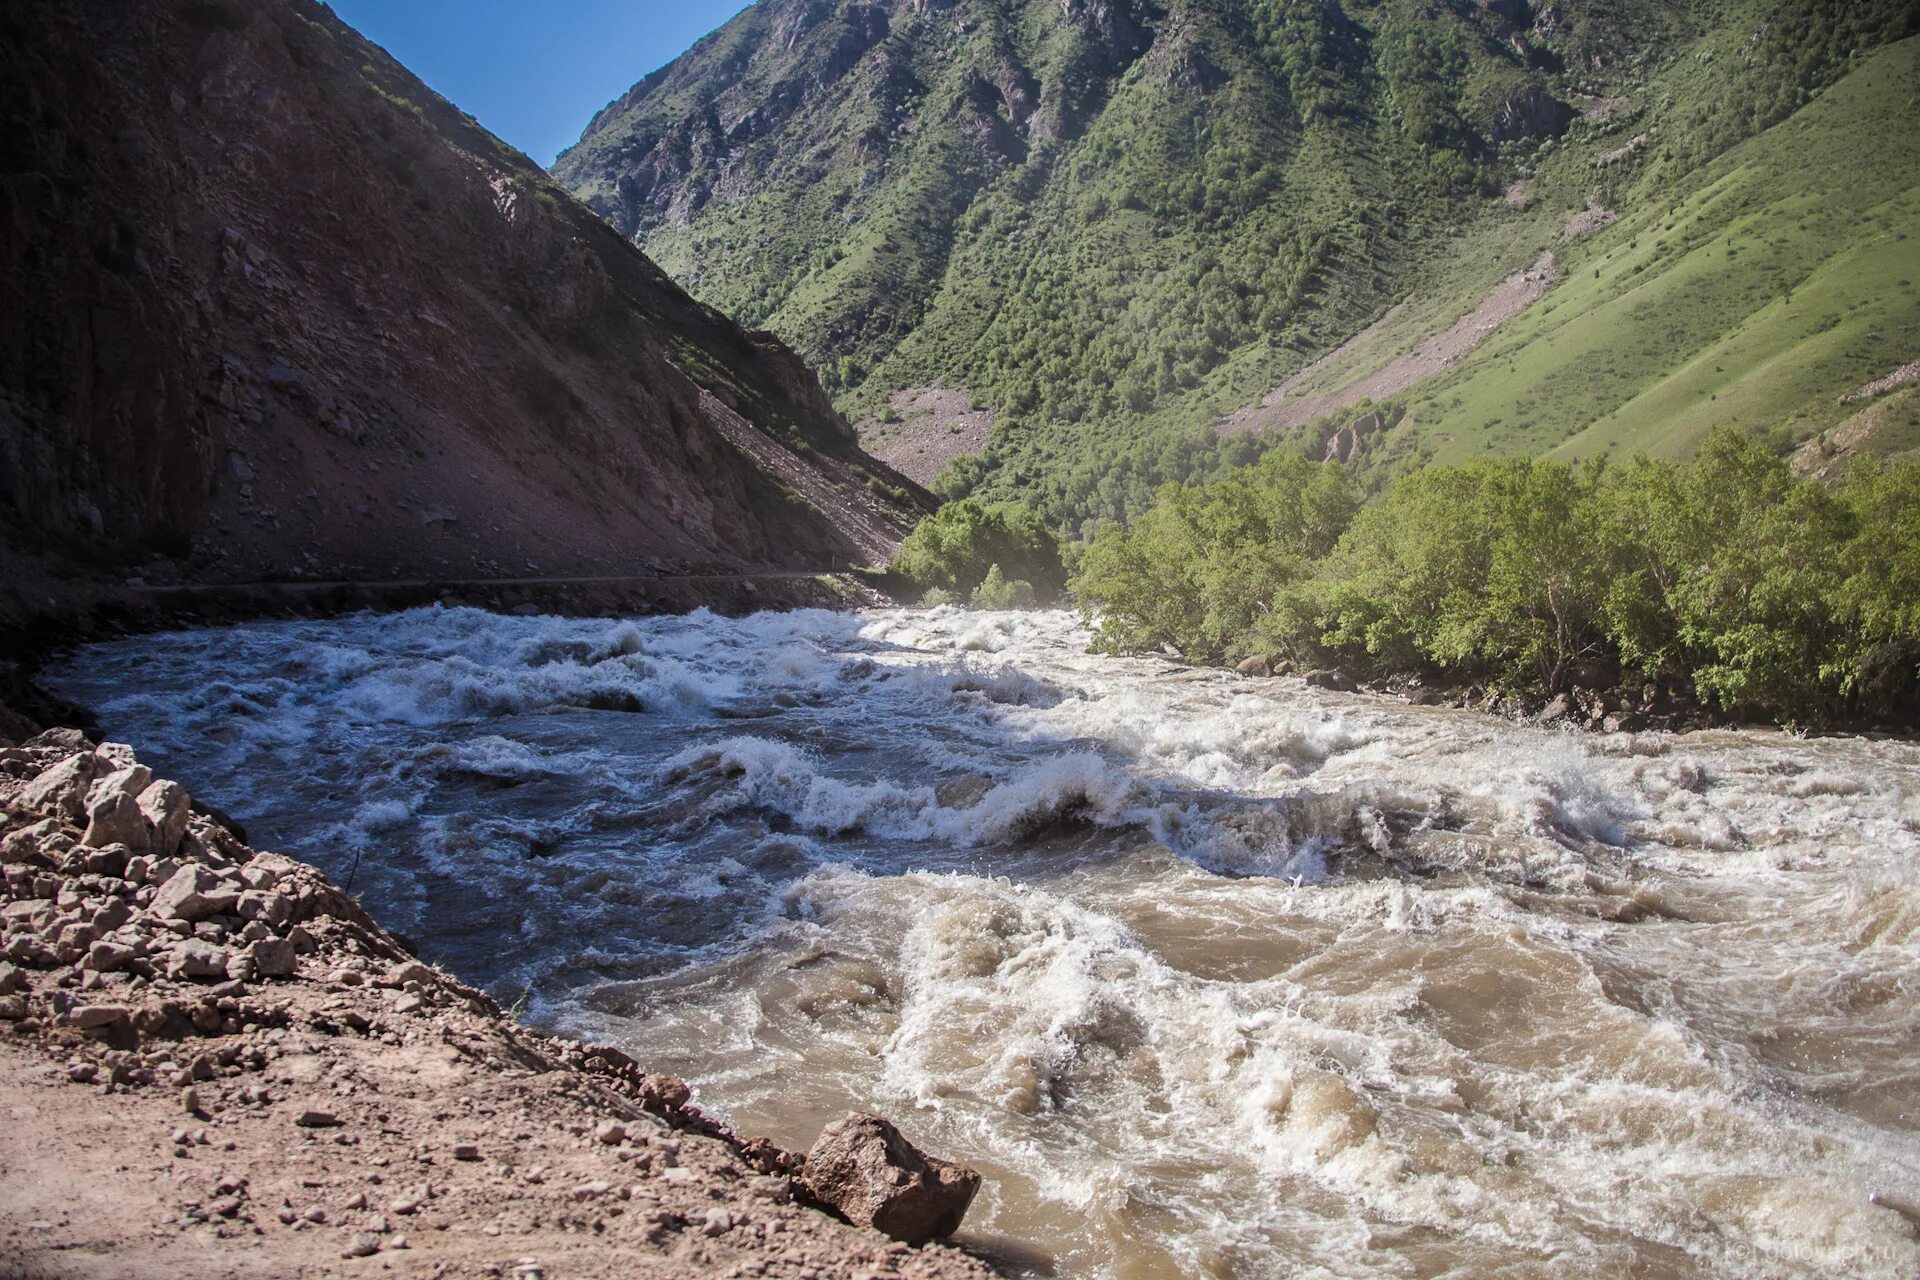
954 548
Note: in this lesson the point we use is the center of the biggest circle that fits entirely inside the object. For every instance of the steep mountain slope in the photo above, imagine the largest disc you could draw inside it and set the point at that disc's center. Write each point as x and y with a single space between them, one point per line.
1029 196
274 309
1114 222
1755 291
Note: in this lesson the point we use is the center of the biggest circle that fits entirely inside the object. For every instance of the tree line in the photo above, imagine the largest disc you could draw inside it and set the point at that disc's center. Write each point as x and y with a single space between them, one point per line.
1726 578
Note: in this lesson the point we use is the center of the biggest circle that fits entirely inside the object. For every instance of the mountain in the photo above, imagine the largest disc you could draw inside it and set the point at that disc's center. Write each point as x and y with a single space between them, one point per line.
1116 228
276 310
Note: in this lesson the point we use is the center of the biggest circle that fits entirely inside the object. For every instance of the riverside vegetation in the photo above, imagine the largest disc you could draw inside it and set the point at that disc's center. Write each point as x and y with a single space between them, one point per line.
1726 578
1116 226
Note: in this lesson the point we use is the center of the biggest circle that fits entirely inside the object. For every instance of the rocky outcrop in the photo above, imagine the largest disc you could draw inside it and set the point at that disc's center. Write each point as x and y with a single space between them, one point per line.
1531 112
866 1170
278 311
214 1061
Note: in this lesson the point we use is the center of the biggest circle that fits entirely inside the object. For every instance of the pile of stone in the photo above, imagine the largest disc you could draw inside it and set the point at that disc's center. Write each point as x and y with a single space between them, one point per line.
154 920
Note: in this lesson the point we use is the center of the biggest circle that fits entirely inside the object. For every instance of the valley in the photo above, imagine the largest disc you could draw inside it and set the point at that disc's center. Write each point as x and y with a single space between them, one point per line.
1103 639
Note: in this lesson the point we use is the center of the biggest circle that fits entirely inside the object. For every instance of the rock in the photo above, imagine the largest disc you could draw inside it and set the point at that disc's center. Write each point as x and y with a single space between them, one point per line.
362 1245
61 739
863 1167
465 1151
411 971
11 979
86 1016
197 959
258 904
193 893
115 818
106 956
611 1132
62 789
1558 709
273 957
313 1119
166 807
1255 665
1330 679
128 778
109 861
1530 113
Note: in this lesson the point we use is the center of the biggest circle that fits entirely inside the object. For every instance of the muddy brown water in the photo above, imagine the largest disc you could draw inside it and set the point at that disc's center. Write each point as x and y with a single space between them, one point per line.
1210 977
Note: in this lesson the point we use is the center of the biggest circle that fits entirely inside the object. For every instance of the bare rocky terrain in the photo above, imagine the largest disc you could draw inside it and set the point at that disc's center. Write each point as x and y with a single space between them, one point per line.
927 428
279 311
1295 403
213 1063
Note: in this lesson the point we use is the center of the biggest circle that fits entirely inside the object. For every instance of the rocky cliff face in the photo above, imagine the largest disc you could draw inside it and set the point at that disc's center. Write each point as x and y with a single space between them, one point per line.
274 309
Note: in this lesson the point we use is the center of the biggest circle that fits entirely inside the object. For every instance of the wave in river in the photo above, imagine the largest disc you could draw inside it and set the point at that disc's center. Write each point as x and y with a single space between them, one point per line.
1210 976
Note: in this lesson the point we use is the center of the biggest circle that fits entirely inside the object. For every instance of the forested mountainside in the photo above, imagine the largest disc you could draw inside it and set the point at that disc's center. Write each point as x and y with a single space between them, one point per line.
275 309
1118 228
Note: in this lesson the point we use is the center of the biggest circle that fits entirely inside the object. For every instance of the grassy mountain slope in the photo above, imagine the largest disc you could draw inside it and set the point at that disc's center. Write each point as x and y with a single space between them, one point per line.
1116 221
1764 286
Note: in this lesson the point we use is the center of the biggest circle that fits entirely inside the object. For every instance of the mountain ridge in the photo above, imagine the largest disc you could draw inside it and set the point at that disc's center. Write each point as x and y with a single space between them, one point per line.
1112 224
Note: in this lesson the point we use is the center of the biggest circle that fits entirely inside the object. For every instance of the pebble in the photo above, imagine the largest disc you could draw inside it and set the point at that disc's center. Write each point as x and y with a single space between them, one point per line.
611 1132
362 1245
311 1119
465 1151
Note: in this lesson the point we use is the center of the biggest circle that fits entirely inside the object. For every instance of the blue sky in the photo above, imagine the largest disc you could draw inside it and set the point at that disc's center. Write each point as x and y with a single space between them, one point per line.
534 71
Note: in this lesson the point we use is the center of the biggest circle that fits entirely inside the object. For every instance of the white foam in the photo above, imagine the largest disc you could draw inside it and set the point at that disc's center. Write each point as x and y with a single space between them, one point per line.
1271 982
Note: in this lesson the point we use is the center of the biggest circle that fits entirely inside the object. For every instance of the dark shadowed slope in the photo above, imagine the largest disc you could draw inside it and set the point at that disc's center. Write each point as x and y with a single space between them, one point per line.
275 309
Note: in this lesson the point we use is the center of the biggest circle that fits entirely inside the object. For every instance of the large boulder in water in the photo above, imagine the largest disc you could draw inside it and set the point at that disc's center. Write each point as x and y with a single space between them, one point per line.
863 1167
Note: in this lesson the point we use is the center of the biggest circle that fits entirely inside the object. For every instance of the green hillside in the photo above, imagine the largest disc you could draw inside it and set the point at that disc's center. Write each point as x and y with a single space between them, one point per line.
1769 283
1116 223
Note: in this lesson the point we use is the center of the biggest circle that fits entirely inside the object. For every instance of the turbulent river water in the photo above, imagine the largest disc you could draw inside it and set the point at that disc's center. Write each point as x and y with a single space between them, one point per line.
1209 977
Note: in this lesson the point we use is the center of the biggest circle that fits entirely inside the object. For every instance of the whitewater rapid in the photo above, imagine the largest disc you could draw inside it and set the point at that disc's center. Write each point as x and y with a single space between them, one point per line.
1208 976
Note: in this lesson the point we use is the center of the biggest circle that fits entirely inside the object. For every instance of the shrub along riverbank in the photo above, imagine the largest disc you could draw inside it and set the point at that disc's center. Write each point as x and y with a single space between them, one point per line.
1726 578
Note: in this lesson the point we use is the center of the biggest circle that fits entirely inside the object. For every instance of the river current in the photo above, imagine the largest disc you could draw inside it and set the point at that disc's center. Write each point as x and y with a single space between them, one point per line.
1208 976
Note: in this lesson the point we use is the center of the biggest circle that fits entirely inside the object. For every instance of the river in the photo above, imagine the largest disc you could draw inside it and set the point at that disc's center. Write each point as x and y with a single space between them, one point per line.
1208 976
